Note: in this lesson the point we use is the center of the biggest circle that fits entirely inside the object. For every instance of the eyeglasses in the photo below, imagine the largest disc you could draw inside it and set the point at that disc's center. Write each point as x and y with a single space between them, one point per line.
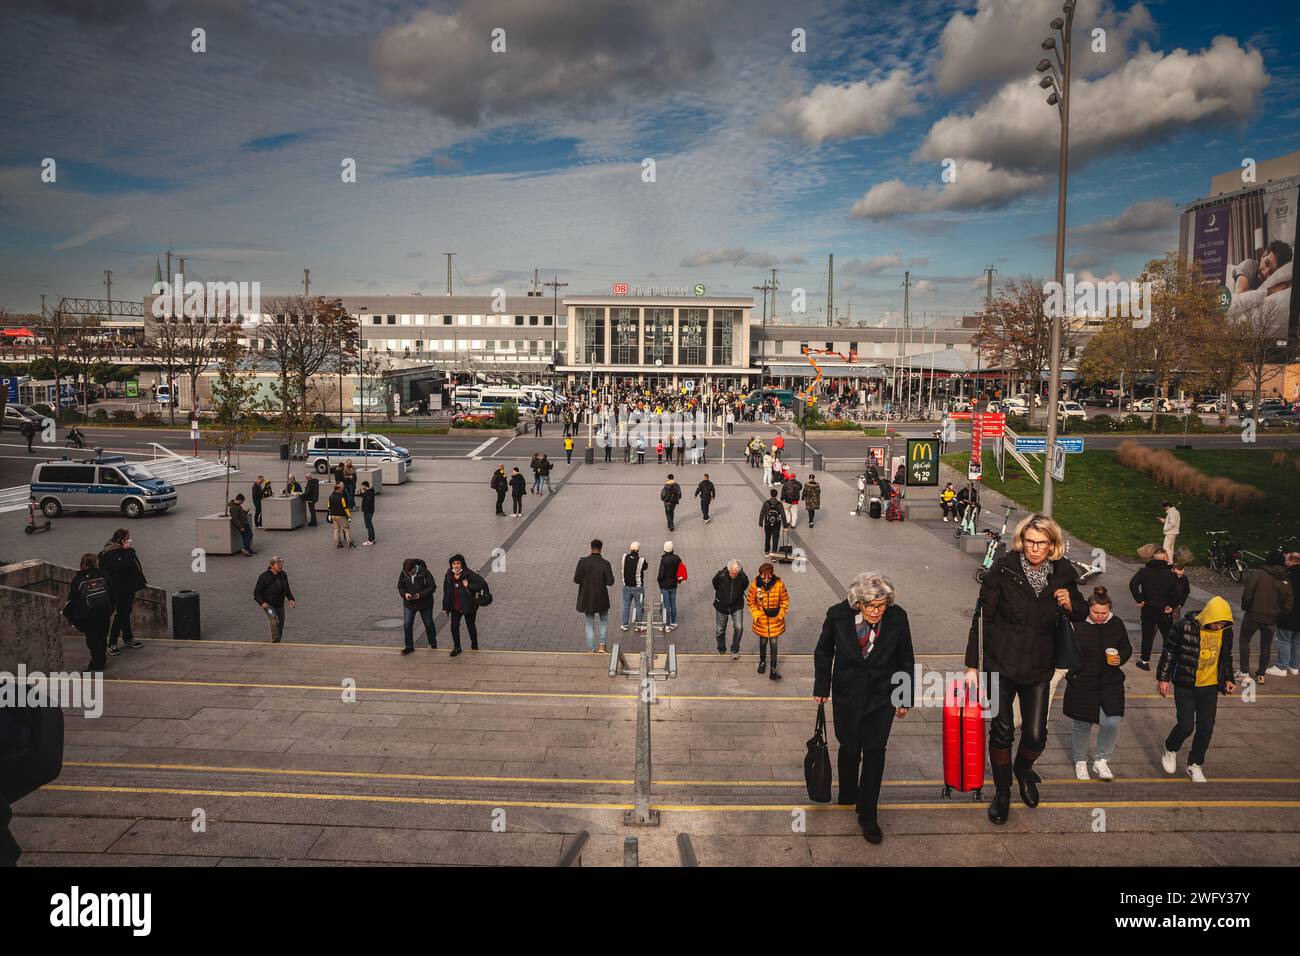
874 606
1036 543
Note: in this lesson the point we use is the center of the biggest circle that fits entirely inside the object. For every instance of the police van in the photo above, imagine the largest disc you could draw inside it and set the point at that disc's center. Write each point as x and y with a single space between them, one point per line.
106 483
326 451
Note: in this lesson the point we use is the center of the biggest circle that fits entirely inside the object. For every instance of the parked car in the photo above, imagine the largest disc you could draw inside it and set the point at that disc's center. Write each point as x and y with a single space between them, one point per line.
1213 406
1146 405
15 415
1016 405
1067 410
1279 416
1099 401
461 417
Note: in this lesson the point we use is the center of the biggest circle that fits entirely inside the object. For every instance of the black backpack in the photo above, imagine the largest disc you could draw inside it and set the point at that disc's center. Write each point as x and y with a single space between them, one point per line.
774 518
482 597
94 594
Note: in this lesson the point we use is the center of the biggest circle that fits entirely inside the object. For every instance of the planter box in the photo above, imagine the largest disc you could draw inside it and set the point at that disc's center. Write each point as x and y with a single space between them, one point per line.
215 534
373 475
394 472
972 543
283 513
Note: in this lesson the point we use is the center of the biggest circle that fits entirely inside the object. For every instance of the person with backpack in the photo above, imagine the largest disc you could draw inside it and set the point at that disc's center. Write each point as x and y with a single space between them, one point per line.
121 565
270 592
1094 691
416 586
771 518
89 607
518 488
670 495
594 577
729 587
240 522
310 496
672 572
768 602
1196 664
340 516
791 488
462 594
500 484
368 512
706 492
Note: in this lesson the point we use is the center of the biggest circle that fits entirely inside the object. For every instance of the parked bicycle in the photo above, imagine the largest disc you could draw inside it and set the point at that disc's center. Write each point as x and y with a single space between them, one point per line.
1226 557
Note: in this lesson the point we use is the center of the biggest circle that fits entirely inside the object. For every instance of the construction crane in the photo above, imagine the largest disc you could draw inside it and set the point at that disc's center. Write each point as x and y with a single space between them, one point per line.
809 395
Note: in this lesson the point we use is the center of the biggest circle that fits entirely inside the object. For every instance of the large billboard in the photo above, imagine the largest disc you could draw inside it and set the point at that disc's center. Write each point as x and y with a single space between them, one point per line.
1245 242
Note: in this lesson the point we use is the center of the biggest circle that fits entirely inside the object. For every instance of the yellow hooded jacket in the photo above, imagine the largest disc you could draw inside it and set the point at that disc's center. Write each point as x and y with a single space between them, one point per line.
1207 666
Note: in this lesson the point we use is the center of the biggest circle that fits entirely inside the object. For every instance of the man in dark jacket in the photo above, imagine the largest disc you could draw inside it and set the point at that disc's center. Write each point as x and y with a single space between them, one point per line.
864 662
89 607
500 484
259 492
270 593
368 512
310 496
28 431
460 590
239 521
1197 662
771 518
791 489
1157 591
632 570
340 516
1266 598
729 587
812 499
518 488
1288 625
706 493
415 585
669 576
121 565
594 577
670 495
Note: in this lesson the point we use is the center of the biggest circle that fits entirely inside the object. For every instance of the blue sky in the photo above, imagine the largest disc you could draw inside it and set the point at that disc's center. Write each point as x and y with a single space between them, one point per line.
532 157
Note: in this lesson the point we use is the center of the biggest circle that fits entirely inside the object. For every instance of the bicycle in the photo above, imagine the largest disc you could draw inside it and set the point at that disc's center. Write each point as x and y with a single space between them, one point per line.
1225 557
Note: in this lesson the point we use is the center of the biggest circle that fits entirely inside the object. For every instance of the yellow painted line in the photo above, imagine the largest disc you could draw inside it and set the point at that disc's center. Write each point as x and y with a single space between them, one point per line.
580 695
478 778
683 808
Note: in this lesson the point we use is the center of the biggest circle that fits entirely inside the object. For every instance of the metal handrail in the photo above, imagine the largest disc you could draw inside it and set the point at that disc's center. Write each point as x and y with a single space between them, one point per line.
685 851
572 855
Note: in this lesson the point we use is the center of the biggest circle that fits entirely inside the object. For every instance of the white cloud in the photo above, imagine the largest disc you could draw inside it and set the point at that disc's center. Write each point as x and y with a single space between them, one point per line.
845 112
734 257
978 186
873 266
923 287
96 230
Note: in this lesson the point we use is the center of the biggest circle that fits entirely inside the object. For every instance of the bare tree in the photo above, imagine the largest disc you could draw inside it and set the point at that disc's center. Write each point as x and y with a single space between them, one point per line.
233 396
1261 349
165 339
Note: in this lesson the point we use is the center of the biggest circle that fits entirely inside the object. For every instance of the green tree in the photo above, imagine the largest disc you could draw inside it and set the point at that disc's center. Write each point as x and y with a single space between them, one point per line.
233 395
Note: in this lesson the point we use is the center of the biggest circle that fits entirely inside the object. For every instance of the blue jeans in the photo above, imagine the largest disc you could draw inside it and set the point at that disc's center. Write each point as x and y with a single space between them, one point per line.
247 535
1107 733
591 628
537 483
1288 647
408 625
720 619
634 600
670 605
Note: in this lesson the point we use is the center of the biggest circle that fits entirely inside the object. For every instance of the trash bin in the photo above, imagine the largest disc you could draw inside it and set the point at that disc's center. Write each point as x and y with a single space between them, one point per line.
284 451
185 615
818 462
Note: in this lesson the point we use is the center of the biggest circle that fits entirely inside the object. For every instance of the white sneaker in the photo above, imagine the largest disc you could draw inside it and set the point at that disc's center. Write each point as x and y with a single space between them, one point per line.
1103 769
1081 770
1169 761
622 627
1194 771
1293 671
1276 671
1240 677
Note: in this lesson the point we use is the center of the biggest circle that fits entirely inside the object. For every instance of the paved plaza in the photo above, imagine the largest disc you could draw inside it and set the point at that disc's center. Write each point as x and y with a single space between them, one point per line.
502 755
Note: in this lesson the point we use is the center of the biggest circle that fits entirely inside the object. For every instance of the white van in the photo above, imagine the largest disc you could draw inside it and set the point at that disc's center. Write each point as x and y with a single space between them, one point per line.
326 451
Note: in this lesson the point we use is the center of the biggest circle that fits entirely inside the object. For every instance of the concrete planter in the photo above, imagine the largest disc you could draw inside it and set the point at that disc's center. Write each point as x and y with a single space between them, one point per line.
215 534
394 472
283 513
373 475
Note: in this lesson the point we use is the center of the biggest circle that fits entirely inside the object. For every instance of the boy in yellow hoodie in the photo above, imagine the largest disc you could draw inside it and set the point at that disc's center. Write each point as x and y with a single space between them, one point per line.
1197 661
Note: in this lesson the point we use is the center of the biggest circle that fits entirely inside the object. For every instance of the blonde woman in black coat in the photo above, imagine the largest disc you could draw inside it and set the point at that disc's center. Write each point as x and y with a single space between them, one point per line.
1094 691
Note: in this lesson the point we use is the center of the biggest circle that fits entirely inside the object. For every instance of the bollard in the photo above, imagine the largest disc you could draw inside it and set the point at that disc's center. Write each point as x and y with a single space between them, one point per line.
185 616
819 463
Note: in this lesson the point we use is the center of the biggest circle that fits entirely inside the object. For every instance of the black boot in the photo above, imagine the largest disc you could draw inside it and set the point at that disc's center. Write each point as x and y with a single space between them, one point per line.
1000 805
1028 779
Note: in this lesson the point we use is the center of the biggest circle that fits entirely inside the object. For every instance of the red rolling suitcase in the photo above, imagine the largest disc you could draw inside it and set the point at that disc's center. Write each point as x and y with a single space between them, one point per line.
963 740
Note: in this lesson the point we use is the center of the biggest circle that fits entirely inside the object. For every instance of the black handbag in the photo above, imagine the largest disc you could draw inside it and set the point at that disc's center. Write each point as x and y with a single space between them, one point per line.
1065 645
817 762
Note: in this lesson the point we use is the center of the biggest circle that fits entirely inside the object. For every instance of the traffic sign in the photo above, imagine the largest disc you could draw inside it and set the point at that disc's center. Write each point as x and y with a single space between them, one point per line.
1058 464
1036 446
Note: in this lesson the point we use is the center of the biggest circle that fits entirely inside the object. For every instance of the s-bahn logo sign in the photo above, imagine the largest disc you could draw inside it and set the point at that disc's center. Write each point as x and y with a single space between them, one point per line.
922 461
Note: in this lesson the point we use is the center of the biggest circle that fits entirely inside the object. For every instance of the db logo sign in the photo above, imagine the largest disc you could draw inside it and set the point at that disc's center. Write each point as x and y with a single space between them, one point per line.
620 288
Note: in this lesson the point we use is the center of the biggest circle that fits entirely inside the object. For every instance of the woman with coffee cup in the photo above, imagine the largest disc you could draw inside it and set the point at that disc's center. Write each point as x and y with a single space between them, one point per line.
1094 692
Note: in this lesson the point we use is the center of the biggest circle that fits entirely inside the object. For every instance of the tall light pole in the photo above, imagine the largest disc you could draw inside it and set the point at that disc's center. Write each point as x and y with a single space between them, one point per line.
555 285
1056 77
765 288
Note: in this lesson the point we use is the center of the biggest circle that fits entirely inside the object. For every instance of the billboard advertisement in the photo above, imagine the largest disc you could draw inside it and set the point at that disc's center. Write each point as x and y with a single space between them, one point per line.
1244 243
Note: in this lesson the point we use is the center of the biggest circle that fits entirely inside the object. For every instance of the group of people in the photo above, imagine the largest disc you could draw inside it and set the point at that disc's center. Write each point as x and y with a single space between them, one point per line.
101 598
340 507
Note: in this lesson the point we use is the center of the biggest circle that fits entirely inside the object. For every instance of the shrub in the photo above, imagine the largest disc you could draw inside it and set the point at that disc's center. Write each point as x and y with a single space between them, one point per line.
100 415
506 416
1165 469
40 408
123 415
151 418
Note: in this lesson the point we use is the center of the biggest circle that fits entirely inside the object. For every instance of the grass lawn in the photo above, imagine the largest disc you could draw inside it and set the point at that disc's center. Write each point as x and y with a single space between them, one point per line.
1116 508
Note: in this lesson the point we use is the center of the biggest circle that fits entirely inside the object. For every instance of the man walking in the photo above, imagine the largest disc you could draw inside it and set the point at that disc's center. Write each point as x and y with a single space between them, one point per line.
594 576
791 489
1266 598
1172 524
670 495
633 568
568 450
544 468
368 512
500 484
270 593
240 522
461 589
28 431
518 488
812 499
1157 591
537 425
415 585
310 496
1197 661
340 516
706 493
729 587
771 518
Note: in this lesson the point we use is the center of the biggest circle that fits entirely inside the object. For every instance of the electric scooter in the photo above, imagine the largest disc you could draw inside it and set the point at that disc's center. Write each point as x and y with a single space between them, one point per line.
995 545
32 526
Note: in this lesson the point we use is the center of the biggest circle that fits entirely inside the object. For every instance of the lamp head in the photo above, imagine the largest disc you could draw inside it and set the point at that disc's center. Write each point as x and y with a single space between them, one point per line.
1044 65
1047 82
1049 44
1057 24
1053 99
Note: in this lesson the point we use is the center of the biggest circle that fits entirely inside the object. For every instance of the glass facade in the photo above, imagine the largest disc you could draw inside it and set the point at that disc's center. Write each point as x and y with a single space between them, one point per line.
692 329
591 320
659 336
625 335
725 322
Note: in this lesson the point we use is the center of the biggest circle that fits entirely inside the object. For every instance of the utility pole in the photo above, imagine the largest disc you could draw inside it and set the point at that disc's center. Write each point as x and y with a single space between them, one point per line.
830 292
306 283
555 285
449 255
765 288
774 288
907 332
108 281
989 272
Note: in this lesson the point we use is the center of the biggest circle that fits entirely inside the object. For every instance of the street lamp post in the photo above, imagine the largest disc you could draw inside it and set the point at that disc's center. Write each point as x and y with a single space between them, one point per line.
1057 78
590 456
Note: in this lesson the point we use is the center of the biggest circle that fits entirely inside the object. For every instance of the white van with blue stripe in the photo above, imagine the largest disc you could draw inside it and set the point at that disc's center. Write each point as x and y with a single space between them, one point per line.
326 451
107 483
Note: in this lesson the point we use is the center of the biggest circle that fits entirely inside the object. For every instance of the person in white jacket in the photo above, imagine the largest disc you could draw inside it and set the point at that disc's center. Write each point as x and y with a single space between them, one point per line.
1172 523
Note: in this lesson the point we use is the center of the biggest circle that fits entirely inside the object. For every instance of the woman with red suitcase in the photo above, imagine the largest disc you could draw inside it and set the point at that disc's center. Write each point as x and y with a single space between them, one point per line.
1023 594
864 645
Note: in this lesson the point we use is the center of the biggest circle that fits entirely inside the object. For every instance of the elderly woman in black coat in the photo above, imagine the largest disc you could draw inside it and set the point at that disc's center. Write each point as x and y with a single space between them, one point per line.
1023 594
1094 691
864 657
